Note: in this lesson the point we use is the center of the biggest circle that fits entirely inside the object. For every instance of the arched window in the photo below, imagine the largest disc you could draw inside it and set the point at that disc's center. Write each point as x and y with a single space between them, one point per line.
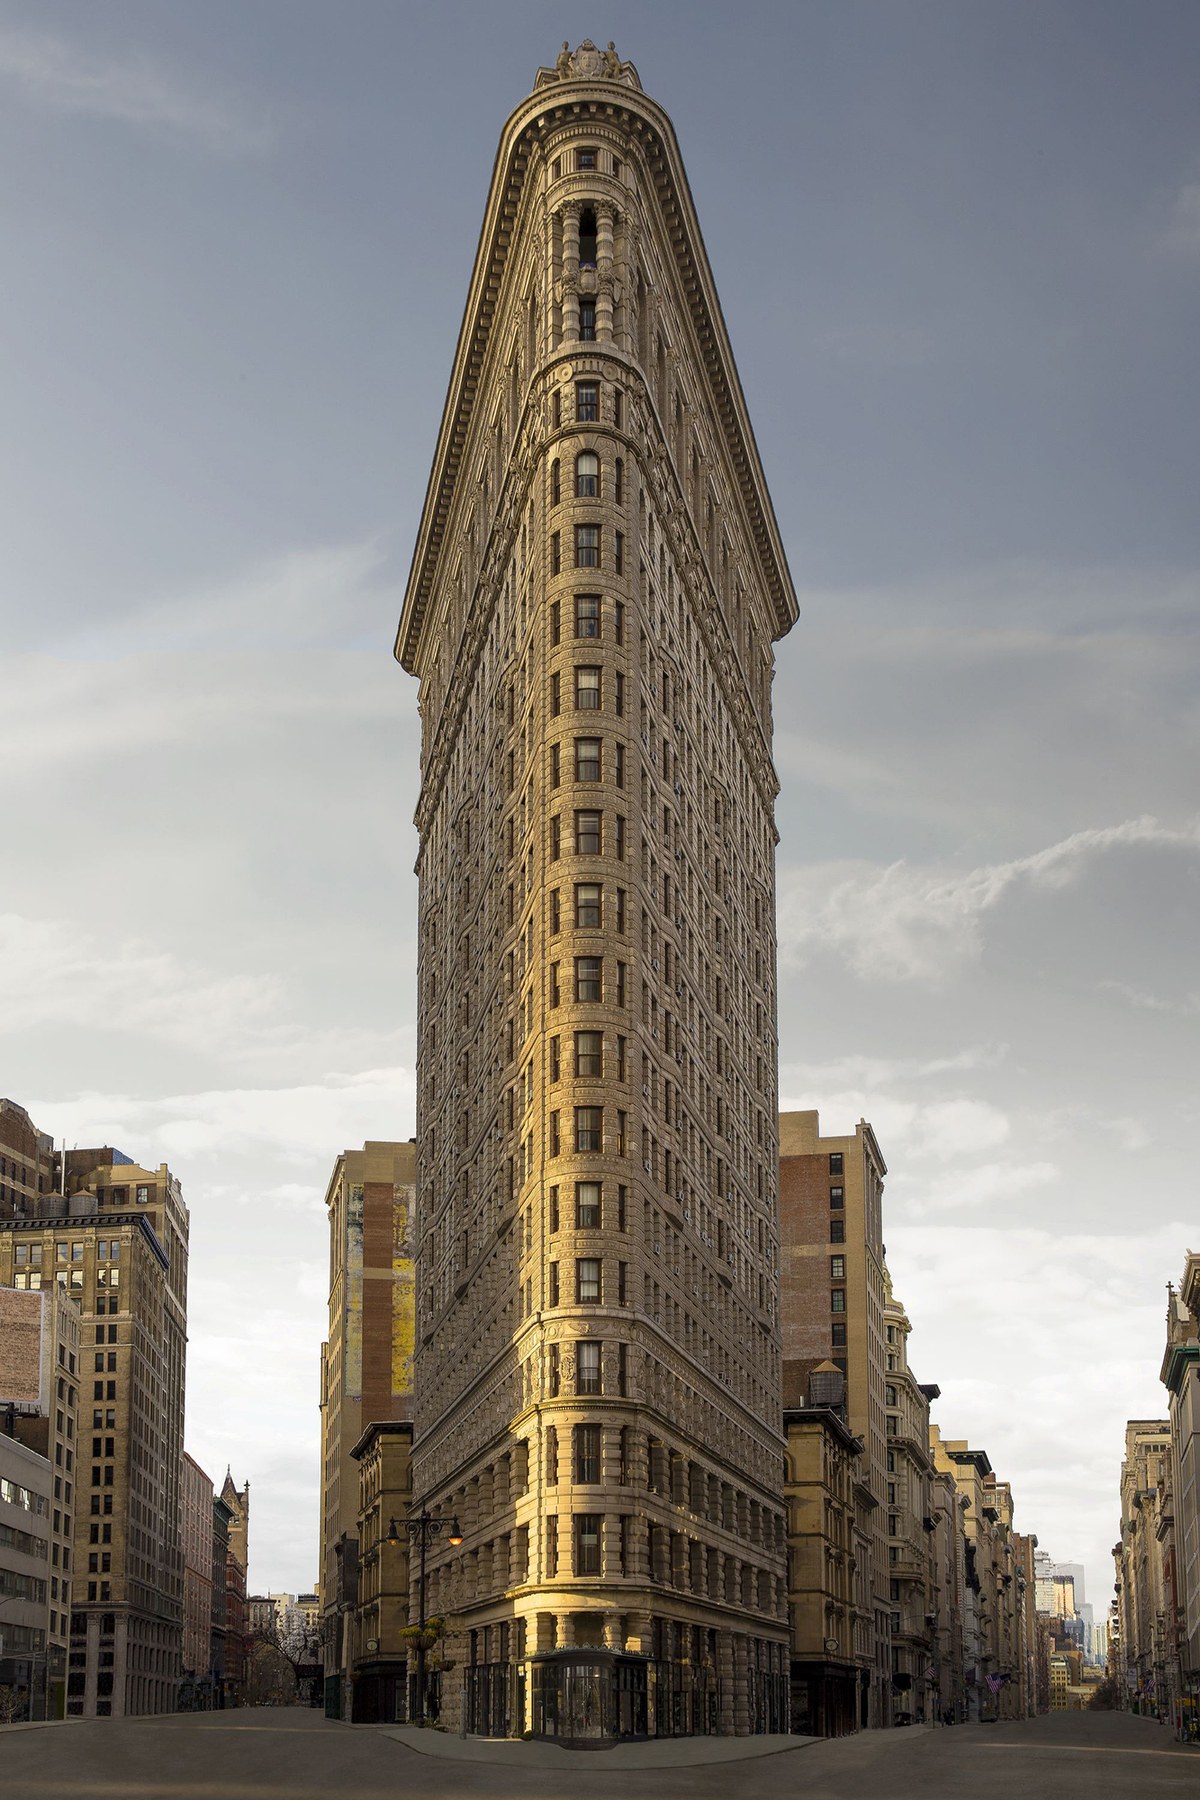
587 475
555 484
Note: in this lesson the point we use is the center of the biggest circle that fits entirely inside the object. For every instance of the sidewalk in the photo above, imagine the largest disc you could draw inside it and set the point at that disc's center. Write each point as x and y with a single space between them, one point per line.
653 1753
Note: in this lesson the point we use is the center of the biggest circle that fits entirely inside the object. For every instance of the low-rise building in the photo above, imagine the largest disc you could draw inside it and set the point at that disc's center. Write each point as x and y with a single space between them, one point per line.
380 1656
828 1680
26 1486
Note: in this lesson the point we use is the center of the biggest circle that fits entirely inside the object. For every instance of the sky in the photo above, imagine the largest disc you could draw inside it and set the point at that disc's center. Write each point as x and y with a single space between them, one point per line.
957 249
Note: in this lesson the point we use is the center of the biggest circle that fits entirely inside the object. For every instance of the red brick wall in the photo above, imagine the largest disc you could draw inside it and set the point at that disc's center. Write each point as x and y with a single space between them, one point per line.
804 1280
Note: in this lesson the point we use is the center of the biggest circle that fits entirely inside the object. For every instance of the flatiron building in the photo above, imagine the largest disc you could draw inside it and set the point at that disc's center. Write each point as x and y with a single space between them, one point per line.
597 584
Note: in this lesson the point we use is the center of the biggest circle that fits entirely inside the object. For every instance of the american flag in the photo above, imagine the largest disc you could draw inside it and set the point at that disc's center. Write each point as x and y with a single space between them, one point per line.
995 1682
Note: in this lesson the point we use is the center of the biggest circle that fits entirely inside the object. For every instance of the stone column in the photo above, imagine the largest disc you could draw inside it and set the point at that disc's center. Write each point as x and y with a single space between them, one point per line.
570 276
604 273
610 1546
741 1686
725 1678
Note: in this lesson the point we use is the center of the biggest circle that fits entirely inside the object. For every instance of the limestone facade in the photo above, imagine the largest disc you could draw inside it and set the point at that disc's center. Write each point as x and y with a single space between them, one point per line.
1180 1371
1143 1568
597 584
909 1523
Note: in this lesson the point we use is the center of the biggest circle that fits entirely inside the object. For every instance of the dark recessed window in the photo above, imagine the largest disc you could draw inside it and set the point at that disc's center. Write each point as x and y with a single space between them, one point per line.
587 615
589 897
587 546
587 1202
587 1543
587 759
587 402
587 475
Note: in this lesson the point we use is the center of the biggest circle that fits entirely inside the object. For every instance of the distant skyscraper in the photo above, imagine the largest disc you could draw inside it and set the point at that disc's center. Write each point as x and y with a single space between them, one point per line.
597 584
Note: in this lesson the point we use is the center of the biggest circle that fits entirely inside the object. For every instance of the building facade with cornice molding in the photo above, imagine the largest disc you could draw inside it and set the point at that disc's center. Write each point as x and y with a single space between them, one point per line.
596 589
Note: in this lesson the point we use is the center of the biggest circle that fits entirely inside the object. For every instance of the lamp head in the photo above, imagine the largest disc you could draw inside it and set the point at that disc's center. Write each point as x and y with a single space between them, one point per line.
454 1535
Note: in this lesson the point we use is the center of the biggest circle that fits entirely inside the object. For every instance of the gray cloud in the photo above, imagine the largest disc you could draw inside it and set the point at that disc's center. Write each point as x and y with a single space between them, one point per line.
132 89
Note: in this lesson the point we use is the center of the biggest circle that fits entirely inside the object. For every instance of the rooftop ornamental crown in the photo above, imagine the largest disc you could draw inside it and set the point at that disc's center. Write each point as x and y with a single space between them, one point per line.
589 64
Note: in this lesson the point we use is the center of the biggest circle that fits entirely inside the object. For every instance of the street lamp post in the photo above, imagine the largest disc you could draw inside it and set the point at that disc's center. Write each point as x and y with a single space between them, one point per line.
423 1529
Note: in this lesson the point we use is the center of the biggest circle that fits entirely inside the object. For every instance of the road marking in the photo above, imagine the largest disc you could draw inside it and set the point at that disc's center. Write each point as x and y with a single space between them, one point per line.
1086 1749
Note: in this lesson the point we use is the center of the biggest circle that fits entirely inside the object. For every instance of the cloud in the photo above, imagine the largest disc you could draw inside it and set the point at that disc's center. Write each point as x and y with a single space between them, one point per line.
1043 1343
135 91
55 972
299 1125
906 923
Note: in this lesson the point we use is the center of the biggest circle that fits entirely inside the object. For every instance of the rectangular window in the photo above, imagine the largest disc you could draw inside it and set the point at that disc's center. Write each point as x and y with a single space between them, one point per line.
619 553
552 1370
619 479
587 615
589 904
555 694
554 1209
552 1297
554 995
556 553
585 159
589 1053
587 758
618 396
587 833
589 978
587 1367
587 402
889 1395
587 1279
835 1162
587 1543
555 920
587 1453
555 632
554 1068
589 1129
837 1300
587 321
555 838
839 1335
587 1205
552 1536
837 1268
837 1196
587 546
837 1231
620 843
587 688
619 688
552 1123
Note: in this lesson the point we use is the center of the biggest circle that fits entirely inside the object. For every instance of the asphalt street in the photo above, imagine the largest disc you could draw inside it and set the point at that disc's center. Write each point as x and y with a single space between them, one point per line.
296 1755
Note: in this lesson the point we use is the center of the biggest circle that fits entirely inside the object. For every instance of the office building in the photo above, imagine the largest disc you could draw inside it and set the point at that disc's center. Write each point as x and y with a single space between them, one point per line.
113 1237
597 585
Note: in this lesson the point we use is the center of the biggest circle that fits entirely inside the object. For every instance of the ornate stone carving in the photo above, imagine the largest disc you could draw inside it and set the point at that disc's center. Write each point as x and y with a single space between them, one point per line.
589 64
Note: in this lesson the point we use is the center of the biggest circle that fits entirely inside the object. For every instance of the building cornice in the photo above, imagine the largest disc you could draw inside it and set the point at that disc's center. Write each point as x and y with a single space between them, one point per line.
381 1428
525 129
1178 1360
